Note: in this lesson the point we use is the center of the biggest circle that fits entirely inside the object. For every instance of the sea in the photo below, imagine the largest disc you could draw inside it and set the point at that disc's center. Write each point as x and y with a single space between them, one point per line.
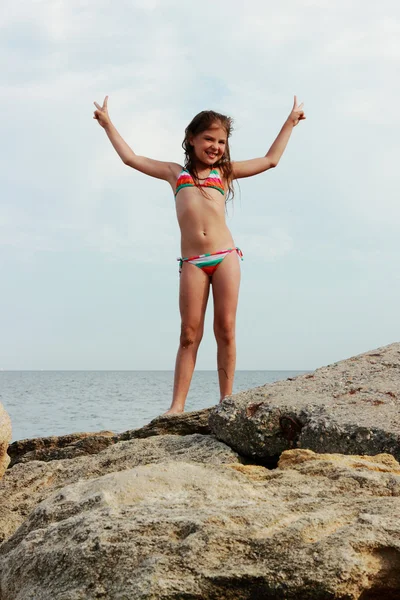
46 403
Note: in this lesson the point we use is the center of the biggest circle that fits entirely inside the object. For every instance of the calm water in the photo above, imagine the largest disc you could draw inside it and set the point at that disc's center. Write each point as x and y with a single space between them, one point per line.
43 403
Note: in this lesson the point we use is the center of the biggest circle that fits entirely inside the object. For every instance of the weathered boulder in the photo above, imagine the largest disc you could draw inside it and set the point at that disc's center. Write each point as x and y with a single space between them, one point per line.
319 527
349 407
80 444
195 421
59 447
5 438
27 484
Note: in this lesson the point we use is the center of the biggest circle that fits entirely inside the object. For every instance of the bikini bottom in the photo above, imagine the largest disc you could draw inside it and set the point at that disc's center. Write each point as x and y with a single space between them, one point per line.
209 263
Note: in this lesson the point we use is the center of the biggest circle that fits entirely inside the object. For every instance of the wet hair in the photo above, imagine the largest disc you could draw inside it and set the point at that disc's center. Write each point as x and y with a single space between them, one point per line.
201 122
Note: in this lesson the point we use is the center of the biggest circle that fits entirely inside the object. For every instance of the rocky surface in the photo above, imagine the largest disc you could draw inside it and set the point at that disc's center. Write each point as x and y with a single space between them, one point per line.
5 438
59 447
27 484
351 407
170 512
188 423
316 528
81 444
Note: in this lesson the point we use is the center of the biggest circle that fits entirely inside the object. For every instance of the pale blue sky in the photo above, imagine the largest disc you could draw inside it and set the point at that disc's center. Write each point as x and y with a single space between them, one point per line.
88 246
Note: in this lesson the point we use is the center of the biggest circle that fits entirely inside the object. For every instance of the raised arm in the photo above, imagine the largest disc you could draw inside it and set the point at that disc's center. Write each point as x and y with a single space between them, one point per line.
247 168
155 168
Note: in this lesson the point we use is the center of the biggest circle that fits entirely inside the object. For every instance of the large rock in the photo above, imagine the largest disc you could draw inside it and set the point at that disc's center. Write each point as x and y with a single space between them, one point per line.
5 438
350 407
195 421
81 444
59 447
27 484
319 527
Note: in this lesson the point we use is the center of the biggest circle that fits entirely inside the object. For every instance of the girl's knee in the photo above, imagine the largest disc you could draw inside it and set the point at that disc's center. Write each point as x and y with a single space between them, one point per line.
225 332
190 335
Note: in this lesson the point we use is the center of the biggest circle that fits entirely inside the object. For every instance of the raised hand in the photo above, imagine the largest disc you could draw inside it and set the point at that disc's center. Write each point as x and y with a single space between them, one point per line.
297 113
101 114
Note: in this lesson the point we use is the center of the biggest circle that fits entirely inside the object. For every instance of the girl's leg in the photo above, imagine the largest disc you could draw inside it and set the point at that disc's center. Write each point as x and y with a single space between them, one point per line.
225 283
193 296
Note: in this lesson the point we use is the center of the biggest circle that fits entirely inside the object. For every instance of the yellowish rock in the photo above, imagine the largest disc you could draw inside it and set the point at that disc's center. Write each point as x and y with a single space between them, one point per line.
5 439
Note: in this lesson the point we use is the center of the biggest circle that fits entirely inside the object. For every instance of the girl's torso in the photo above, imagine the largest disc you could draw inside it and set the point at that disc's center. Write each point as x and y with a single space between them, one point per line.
201 213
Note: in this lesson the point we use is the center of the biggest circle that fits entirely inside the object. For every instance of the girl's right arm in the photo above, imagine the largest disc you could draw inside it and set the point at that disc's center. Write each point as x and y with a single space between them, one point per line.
155 168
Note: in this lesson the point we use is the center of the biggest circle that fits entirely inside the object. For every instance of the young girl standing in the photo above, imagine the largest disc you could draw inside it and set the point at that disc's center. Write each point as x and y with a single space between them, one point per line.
209 254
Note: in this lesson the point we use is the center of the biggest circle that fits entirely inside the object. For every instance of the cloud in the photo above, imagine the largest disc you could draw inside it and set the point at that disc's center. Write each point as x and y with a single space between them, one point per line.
273 244
373 106
159 68
331 204
376 39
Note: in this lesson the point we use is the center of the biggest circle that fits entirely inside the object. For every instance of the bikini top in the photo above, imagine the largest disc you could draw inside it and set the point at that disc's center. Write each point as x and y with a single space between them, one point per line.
212 181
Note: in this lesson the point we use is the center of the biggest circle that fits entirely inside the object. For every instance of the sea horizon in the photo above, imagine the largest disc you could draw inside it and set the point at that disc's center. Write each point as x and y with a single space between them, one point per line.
48 402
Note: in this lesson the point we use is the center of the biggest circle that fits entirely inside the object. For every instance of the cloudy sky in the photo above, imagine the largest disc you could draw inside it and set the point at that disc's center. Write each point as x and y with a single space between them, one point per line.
88 273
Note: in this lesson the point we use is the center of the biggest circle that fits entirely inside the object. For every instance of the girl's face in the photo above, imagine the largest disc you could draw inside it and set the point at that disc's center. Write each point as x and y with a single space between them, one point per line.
209 145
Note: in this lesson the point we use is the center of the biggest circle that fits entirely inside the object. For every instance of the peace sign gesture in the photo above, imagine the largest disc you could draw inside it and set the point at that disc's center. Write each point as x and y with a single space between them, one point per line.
101 114
297 113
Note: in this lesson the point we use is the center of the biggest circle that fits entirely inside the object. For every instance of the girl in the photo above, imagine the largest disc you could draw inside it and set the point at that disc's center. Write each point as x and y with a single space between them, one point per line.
209 255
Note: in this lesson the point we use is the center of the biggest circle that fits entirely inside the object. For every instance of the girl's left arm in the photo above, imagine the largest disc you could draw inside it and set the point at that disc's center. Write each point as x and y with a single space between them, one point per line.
247 168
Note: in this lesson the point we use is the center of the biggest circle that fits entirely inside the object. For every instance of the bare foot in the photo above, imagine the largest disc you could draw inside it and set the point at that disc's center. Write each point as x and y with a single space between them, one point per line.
173 411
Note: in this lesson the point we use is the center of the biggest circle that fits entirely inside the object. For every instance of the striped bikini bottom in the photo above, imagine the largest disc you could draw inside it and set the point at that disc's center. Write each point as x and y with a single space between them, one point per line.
209 263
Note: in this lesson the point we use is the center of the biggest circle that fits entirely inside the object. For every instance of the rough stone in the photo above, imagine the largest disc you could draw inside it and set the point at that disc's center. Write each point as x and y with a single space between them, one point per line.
187 423
27 484
80 444
59 447
5 438
192 531
349 407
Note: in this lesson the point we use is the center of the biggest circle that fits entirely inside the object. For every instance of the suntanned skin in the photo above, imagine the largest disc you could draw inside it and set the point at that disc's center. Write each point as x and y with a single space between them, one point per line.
202 218
202 222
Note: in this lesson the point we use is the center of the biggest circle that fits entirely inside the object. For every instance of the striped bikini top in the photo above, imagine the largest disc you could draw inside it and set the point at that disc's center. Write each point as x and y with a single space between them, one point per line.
212 181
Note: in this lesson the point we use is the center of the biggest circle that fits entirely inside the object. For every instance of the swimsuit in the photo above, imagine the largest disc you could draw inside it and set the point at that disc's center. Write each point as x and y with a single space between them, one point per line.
212 181
206 262
209 262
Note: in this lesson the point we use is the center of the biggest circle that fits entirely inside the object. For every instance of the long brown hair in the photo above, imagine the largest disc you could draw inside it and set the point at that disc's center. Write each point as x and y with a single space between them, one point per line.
201 122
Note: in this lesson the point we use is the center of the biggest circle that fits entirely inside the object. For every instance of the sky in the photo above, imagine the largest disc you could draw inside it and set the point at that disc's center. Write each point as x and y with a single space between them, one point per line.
88 246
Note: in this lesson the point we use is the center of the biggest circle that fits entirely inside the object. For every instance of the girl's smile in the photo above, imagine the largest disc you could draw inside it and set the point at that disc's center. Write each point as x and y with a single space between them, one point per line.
209 145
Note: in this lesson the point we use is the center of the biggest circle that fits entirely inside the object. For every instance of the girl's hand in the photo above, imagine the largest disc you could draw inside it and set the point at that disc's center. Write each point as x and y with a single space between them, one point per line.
297 113
101 114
